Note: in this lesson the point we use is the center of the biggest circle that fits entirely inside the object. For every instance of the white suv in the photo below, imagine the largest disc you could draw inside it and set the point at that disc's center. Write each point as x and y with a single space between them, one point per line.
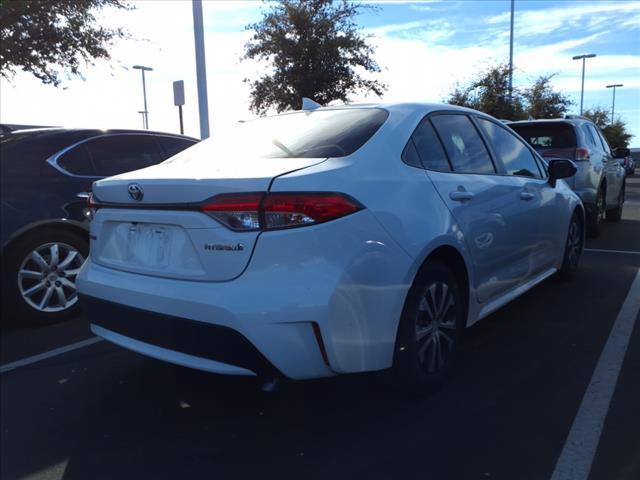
600 179
315 243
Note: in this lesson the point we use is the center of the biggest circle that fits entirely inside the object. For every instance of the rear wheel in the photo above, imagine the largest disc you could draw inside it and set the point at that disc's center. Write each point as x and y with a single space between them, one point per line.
430 329
615 214
39 276
573 248
597 215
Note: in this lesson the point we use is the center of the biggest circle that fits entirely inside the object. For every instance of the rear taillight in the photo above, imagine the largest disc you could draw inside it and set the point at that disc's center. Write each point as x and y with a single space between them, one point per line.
582 154
92 202
269 211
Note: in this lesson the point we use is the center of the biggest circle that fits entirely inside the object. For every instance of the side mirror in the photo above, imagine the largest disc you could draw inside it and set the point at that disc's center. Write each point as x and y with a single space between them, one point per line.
621 152
560 168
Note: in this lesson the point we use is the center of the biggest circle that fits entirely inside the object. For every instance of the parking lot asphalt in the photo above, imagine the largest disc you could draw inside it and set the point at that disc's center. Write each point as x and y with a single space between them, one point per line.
103 412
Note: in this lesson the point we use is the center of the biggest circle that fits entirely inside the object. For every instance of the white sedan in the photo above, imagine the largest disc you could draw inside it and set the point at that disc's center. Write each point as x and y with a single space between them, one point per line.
328 241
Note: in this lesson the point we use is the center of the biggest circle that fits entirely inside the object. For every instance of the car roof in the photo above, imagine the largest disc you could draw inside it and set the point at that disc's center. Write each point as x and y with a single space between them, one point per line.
403 106
45 131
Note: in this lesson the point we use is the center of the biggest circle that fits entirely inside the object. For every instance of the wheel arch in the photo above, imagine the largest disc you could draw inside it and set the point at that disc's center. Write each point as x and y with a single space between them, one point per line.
80 228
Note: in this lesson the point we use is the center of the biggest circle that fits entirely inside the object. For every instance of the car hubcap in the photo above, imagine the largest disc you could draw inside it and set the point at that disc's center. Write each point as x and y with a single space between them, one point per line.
574 243
436 326
46 278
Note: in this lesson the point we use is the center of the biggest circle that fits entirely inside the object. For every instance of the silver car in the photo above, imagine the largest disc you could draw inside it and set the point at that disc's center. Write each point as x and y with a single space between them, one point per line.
600 179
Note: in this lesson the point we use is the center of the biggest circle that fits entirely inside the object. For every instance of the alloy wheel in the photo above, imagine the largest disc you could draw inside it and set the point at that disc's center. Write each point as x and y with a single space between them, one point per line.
435 326
47 277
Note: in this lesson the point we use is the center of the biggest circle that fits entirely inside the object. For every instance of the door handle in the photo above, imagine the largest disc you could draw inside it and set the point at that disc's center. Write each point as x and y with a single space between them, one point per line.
83 195
461 195
526 195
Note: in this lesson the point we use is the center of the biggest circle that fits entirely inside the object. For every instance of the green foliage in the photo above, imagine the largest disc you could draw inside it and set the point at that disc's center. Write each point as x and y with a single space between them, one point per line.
544 102
314 48
616 133
489 93
40 36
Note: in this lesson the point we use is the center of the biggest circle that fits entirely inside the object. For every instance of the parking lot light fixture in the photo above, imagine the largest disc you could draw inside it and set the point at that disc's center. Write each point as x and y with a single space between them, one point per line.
144 92
583 58
613 104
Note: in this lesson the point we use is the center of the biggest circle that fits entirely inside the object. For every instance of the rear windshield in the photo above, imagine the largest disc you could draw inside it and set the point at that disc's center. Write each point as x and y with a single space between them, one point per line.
546 135
315 134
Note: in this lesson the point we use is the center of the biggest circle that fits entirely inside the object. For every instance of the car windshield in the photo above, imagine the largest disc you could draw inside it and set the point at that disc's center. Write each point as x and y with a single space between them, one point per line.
314 134
544 135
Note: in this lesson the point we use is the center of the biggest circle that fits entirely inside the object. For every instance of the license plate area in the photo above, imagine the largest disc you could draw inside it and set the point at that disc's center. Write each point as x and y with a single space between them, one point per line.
149 245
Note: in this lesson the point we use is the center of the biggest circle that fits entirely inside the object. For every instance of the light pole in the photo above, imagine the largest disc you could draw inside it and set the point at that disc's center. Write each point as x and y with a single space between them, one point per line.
613 105
583 58
141 112
201 69
511 56
144 92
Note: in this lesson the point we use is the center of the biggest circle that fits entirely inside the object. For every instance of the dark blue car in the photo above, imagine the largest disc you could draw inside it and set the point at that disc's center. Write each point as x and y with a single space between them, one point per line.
45 177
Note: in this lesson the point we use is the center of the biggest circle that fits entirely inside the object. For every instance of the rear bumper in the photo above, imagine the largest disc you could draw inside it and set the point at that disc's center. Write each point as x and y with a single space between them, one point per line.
179 340
351 296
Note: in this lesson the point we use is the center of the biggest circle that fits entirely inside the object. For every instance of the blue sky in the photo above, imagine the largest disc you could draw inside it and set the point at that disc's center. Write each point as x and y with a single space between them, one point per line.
424 48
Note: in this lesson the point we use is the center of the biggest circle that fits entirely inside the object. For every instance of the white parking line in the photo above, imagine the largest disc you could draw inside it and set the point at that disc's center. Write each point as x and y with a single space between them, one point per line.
582 442
51 353
630 252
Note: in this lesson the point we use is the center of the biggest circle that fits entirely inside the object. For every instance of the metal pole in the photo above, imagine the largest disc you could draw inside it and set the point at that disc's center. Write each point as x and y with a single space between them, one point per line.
511 56
181 124
613 105
201 69
145 115
144 94
584 60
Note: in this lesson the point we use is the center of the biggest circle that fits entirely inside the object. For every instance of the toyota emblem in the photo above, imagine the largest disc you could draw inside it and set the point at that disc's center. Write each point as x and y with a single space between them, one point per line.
135 191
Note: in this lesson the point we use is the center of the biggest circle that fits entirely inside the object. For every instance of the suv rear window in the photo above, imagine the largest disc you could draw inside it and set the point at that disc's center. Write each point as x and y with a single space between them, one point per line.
545 135
315 134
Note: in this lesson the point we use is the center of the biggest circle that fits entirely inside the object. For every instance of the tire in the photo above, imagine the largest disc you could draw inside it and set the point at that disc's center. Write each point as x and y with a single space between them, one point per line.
430 329
573 249
44 293
594 222
615 214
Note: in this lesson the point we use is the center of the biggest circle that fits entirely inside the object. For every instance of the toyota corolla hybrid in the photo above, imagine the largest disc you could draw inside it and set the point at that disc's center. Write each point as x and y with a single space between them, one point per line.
327 241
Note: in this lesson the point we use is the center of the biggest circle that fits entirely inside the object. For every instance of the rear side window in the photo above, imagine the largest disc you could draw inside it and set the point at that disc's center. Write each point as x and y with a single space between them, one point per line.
77 162
512 152
174 145
605 144
545 135
590 136
428 148
115 154
463 144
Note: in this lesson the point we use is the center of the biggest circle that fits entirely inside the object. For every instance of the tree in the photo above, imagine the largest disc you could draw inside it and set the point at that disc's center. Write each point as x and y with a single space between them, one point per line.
616 133
544 102
489 93
315 49
39 36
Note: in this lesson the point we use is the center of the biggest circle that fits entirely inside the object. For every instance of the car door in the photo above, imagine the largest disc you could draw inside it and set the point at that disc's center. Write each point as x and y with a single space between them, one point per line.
483 203
613 172
539 216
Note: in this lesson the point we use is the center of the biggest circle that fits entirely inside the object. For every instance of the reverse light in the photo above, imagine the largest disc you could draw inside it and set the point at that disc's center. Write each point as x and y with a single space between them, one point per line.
270 211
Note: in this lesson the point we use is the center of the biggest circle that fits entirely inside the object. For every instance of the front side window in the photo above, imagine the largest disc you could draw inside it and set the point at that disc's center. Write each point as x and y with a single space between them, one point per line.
513 153
115 154
463 144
